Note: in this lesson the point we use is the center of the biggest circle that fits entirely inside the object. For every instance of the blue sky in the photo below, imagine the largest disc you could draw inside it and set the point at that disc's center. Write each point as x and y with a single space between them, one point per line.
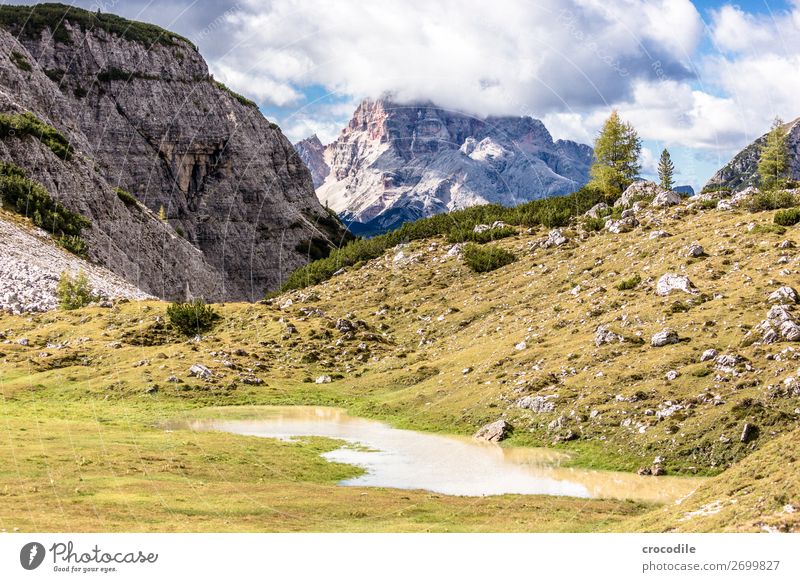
701 78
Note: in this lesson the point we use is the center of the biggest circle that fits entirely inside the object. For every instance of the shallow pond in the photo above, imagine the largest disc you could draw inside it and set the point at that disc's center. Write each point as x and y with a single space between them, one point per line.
407 459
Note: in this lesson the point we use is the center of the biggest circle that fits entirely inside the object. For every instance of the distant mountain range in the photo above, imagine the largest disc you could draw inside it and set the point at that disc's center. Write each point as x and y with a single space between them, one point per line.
395 163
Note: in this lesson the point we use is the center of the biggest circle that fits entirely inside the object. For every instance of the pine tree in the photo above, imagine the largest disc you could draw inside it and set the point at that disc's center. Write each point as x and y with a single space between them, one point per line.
774 157
616 152
162 214
666 170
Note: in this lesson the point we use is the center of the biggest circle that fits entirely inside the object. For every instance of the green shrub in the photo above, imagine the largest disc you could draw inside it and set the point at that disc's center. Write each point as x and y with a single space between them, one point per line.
483 259
74 244
128 198
630 283
469 235
192 317
767 229
771 200
21 125
534 213
74 292
788 217
591 224
29 198
707 204
20 61
240 98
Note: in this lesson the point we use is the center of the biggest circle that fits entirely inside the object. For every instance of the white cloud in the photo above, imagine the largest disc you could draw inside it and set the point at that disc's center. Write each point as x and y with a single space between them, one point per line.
514 58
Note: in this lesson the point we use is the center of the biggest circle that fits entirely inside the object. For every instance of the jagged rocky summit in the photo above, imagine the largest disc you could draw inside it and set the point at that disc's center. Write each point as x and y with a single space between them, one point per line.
395 163
742 171
143 114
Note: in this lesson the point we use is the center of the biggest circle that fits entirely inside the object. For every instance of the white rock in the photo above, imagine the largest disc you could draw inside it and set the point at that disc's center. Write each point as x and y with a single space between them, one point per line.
784 295
664 337
671 282
323 380
709 354
666 198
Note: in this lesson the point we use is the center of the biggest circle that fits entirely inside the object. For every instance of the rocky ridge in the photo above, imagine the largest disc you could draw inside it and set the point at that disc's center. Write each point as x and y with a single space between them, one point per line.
143 114
742 171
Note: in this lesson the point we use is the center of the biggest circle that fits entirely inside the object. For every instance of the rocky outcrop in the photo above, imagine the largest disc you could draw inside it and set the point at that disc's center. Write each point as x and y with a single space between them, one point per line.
144 115
742 170
399 162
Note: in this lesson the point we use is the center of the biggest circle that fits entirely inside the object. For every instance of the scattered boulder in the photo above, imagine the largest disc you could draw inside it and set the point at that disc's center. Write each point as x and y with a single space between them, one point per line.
641 190
664 337
344 325
780 325
784 295
555 238
787 244
727 362
749 432
695 250
672 375
494 432
670 282
603 335
709 354
626 224
666 198
659 234
323 380
538 404
744 195
598 210
455 251
200 371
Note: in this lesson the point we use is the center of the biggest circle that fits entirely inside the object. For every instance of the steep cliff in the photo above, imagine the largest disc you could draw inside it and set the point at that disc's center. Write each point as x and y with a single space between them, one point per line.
145 116
394 163
742 170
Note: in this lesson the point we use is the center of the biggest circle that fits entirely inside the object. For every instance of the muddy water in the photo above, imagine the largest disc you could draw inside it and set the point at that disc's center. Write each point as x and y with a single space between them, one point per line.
407 459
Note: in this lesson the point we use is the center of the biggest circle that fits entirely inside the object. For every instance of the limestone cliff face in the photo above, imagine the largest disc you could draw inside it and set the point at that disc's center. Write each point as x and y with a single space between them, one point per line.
399 162
742 170
147 117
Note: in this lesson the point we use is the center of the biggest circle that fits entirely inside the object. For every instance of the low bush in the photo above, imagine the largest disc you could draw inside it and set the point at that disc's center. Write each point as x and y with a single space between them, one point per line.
629 283
788 217
74 244
483 259
771 200
192 317
30 199
74 292
20 61
128 198
591 224
23 124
